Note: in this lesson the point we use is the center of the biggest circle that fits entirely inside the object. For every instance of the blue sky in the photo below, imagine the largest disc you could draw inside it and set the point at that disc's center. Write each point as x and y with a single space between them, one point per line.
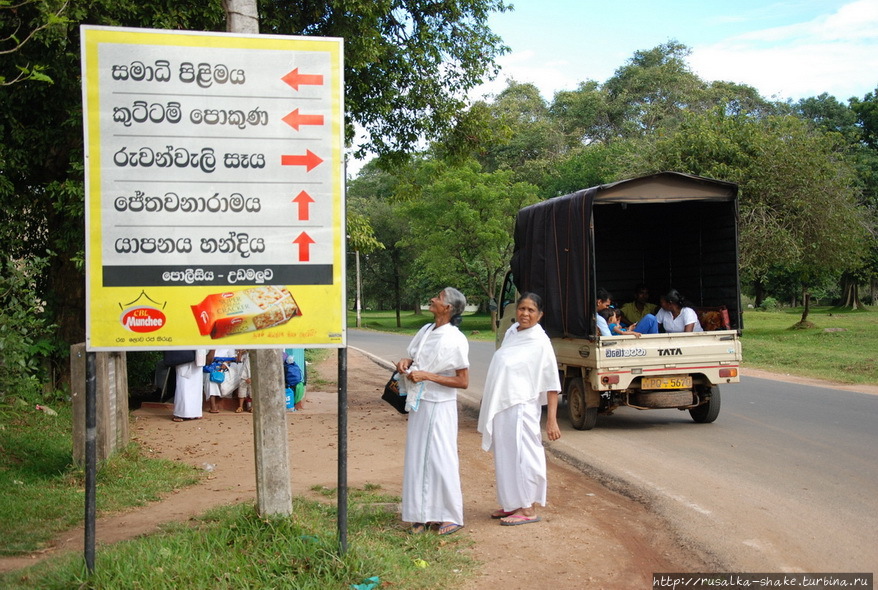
788 49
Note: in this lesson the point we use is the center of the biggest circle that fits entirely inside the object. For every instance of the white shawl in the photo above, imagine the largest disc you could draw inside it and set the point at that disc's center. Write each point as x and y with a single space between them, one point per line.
523 370
441 350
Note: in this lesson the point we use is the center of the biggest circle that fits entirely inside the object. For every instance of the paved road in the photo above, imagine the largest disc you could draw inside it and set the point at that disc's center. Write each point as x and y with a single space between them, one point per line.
785 480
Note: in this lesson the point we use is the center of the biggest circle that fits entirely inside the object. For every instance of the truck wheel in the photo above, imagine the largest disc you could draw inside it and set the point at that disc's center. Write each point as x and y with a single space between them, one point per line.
707 413
582 417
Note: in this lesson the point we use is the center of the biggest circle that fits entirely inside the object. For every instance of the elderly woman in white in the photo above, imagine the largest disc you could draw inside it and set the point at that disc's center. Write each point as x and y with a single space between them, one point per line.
522 377
436 367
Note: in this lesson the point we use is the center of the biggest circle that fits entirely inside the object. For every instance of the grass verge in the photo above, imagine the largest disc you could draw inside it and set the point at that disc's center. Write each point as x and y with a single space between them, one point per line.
840 345
231 547
42 490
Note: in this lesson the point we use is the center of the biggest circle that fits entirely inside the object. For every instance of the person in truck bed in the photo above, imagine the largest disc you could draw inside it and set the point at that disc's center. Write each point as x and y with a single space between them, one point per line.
674 316
636 310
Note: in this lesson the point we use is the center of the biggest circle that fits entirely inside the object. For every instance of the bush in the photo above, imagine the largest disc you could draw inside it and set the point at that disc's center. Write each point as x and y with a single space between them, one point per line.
26 336
769 304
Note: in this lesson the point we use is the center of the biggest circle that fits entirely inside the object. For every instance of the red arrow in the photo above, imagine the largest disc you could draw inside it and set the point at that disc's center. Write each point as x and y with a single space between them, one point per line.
310 160
295 119
304 241
303 199
294 78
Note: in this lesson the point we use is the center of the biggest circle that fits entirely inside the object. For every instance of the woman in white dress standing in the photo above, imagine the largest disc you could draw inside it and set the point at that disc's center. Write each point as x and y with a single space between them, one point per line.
188 400
522 377
437 366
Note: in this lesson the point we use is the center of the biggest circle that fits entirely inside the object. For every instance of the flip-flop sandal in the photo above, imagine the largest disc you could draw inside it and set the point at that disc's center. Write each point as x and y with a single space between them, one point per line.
519 519
214 411
501 514
176 419
239 410
449 529
417 528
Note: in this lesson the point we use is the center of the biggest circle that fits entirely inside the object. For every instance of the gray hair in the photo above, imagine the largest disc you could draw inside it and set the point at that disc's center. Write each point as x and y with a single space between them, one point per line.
455 299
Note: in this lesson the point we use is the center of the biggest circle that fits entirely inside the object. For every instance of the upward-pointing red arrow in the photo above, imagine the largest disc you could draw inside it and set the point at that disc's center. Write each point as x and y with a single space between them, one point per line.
310 160
303 200
304 242
294 79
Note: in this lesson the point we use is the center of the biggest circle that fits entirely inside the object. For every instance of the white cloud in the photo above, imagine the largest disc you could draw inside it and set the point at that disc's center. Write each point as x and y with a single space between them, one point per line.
837 53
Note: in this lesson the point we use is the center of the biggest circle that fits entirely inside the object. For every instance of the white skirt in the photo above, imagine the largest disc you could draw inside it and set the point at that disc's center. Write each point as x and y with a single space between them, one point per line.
431 478
519 457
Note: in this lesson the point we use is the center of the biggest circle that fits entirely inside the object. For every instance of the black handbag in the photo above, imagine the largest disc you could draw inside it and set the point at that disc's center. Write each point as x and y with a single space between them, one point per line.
392 395
172 358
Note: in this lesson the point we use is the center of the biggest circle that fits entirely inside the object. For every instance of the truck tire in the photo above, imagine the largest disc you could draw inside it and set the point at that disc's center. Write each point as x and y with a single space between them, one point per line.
707 413
582 417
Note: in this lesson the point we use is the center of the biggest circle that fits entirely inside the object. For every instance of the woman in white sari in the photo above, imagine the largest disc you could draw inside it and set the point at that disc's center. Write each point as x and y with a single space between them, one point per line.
437 366
187 395
522 377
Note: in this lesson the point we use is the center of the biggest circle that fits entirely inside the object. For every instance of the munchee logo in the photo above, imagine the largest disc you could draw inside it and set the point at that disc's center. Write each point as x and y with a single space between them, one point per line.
143 319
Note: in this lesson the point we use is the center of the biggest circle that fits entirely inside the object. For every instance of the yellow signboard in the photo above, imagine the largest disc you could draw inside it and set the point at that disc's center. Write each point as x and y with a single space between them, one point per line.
214 190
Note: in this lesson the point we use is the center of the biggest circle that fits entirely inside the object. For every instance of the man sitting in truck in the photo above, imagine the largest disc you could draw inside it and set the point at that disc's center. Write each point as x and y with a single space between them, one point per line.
604 300
633 311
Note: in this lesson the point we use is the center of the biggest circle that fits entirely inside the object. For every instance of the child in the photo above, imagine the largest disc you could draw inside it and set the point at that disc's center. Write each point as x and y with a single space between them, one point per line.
614 322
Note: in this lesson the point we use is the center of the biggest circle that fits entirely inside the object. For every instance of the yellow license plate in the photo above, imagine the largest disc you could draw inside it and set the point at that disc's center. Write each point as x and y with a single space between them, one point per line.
667 382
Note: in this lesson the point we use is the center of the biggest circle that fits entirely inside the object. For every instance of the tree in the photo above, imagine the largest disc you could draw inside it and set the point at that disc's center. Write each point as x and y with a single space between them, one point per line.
27 21
408 63
385 269
798 195
651 91
462 225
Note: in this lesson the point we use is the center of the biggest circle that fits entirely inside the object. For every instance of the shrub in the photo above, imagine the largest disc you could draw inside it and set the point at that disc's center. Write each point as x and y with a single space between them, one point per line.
26 335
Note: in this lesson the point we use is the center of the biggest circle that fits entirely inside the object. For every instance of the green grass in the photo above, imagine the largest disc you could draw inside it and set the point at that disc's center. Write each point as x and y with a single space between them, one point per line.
42 490
231 547
477 326
842 346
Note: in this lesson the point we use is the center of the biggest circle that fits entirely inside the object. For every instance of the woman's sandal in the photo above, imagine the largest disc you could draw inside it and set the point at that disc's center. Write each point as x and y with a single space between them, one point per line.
450 528
502 513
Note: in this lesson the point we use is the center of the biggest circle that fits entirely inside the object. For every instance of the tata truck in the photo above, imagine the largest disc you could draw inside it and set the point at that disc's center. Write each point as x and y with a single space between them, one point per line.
665 230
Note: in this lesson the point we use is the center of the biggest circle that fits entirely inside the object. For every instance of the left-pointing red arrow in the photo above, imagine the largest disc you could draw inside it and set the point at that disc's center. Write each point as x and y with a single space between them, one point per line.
310 160
295 79
304 242
295 119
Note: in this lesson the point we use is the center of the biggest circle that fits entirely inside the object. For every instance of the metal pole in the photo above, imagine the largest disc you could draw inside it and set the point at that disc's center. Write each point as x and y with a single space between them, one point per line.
342 450
359 290
90 460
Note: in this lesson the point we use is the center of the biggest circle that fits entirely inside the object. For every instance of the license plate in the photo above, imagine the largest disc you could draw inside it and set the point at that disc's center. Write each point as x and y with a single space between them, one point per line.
667 382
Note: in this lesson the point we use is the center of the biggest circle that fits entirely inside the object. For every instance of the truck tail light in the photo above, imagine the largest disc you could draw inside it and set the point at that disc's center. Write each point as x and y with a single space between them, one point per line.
610 379
728 372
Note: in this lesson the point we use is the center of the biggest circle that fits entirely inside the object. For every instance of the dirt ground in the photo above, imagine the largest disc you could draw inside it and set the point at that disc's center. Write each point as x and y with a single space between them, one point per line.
589 537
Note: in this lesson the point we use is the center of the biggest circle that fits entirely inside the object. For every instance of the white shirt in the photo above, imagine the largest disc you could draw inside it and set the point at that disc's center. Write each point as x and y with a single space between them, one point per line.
687 316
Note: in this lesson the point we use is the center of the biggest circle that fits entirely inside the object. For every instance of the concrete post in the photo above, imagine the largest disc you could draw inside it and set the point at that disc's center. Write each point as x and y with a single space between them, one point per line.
111 377
274 493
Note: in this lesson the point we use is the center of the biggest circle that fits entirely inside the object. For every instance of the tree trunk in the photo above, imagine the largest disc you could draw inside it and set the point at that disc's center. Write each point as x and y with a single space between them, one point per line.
850 292
241 16
806 301
759 293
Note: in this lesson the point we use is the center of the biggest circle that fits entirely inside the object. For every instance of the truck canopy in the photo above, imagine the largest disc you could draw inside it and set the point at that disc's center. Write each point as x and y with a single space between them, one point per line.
666 230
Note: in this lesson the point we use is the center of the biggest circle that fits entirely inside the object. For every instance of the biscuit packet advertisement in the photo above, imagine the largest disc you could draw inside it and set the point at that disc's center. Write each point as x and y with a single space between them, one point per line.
235 312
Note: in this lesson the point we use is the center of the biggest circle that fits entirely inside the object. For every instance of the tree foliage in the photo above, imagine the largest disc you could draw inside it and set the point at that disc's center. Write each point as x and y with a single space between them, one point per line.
27 22
408 63
798 198
462 220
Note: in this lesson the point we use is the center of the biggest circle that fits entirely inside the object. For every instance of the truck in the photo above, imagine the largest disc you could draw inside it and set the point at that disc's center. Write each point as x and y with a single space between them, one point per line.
664 230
